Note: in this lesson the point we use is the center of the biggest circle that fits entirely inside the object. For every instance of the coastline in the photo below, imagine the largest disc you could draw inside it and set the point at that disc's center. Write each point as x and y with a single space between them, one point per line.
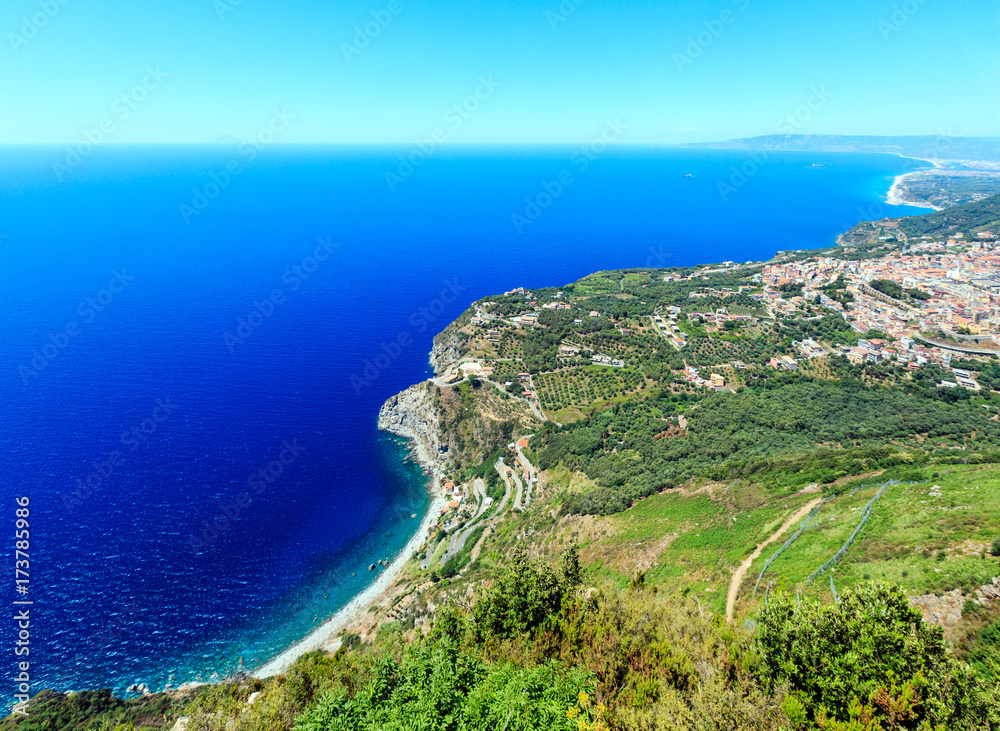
396 417
896 197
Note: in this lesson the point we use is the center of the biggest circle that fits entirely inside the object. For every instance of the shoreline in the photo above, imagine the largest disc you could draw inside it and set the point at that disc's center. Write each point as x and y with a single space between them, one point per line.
896 198
325 634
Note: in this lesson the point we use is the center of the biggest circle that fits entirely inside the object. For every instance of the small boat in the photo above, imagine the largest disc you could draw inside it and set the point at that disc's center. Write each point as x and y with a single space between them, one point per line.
689 175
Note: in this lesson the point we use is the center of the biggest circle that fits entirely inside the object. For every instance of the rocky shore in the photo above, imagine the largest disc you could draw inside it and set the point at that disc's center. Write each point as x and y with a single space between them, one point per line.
411 415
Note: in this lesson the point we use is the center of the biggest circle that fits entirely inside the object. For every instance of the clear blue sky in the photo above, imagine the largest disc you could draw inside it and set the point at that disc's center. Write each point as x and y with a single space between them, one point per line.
892 67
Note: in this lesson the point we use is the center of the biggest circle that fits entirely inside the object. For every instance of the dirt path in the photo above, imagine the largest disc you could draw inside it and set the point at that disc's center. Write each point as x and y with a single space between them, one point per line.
734 585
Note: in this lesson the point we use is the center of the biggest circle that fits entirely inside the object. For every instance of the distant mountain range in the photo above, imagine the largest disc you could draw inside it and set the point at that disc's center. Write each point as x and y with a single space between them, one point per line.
928 147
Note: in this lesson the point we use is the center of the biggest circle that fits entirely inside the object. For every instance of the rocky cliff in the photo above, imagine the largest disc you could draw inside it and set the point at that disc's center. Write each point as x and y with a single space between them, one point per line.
447 349
411 415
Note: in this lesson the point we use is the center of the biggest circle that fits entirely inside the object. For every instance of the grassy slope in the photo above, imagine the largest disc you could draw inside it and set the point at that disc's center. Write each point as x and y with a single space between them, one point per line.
692 543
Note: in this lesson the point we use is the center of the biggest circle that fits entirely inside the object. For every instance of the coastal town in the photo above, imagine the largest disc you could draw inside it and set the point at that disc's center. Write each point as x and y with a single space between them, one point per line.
931 301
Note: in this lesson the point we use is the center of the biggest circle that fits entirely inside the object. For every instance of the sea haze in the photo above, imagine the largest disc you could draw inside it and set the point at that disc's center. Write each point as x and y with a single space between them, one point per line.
142 383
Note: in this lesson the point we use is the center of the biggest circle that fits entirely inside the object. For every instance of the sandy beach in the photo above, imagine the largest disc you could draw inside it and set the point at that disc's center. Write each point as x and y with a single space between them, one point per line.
325 634
897 197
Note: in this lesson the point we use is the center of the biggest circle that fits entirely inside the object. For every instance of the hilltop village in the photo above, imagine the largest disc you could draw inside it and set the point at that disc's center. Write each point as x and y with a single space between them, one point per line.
921 313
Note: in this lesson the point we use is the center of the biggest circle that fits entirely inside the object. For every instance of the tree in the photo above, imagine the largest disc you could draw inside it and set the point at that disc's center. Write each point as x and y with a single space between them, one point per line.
888 288
525 595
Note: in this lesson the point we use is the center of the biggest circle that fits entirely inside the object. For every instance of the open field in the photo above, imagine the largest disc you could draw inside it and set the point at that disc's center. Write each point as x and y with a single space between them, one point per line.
692 543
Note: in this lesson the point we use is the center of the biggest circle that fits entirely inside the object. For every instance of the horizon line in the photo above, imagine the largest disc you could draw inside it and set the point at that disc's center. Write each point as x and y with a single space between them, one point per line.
236 141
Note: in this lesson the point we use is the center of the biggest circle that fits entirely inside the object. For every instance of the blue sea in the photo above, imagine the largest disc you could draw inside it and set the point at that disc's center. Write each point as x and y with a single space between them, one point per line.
195 345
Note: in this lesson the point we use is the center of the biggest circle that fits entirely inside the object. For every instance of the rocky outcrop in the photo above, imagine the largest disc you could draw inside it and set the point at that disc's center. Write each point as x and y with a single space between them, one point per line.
411 415
946 610
447 349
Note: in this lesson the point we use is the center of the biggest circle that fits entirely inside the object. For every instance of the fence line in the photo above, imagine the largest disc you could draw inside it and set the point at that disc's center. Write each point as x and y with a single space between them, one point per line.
806 523
865 515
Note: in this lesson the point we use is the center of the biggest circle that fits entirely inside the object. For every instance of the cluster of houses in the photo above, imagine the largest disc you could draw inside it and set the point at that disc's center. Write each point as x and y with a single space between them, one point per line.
962 286
457 507
715 381
959 280
669 328
606 360
909 352
526 383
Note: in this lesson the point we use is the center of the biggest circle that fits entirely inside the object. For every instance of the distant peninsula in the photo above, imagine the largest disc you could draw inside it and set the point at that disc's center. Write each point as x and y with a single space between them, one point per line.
924 147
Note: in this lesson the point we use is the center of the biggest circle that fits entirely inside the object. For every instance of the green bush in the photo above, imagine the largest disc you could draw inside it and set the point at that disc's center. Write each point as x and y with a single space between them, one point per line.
871 656
437 686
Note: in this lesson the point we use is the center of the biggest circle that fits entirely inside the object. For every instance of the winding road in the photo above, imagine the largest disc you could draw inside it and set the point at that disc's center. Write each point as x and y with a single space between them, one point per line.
531 477
457 539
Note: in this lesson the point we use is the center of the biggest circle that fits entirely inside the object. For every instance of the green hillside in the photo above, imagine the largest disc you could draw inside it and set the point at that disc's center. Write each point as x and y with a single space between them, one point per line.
747 552
968 218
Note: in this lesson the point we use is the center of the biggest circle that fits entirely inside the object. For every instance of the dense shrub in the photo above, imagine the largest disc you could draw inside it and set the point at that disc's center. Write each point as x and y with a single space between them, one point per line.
792 431
870 658
438 686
